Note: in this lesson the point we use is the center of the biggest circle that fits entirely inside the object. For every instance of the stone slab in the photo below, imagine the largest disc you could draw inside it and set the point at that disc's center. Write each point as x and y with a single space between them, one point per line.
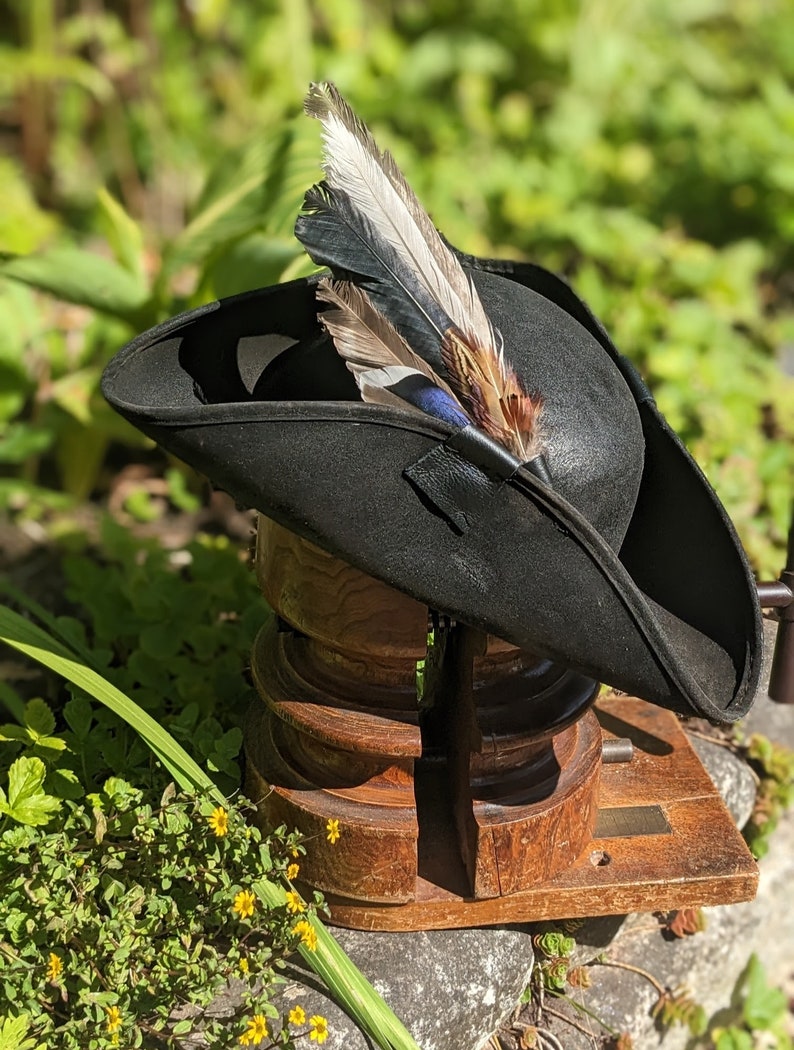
451 988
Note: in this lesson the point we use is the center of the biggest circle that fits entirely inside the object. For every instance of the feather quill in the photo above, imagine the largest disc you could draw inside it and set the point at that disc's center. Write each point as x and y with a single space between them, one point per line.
367 224
387 371
377 188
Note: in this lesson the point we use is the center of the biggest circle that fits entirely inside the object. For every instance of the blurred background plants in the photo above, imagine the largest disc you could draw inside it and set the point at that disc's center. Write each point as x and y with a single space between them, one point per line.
156 158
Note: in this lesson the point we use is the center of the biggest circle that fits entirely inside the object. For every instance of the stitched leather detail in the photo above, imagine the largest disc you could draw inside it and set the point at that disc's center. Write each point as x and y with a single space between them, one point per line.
462 475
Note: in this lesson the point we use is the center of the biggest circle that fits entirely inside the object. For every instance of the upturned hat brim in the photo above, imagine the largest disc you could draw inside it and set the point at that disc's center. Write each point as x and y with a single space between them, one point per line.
635 579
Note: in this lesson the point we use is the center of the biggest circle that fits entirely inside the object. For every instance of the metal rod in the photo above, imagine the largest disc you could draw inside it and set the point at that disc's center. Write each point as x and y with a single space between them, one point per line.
781 680
619 750
774 595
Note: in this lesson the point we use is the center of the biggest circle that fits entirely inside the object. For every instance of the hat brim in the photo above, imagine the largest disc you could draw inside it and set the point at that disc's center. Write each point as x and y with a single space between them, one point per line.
672 615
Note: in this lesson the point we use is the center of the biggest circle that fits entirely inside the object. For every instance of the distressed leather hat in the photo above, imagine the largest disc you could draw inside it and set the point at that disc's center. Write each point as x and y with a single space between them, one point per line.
625 567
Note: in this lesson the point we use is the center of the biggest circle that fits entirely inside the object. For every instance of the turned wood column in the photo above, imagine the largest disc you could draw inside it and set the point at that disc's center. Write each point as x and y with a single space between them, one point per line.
486 783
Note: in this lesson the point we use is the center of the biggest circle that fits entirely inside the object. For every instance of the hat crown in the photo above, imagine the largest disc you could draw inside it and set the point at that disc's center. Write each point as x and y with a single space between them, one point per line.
591 426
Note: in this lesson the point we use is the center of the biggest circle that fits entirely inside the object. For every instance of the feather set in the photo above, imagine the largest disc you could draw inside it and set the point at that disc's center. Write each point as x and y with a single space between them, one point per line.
386 370
402 309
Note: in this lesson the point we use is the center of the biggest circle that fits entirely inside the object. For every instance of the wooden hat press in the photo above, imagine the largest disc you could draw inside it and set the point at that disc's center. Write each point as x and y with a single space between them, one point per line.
503 794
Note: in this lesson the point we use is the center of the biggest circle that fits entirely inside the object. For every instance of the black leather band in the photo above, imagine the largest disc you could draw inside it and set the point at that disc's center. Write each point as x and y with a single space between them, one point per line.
460 476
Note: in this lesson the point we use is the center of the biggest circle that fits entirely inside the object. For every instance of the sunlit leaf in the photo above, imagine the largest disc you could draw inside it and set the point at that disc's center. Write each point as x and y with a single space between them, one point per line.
27 802
81 277
124 234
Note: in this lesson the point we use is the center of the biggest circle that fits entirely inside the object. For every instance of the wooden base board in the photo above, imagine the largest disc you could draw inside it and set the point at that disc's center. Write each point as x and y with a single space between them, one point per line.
664 840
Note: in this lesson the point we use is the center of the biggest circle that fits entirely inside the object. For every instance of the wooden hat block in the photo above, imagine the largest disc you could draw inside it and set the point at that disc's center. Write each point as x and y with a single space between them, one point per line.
487 800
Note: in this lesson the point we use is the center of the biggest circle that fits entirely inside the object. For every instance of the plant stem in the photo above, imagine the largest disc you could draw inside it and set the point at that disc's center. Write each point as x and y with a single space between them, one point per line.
634 969
575 1024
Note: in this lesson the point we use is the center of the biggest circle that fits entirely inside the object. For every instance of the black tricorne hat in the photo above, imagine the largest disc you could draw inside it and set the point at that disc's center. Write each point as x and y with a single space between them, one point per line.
627 570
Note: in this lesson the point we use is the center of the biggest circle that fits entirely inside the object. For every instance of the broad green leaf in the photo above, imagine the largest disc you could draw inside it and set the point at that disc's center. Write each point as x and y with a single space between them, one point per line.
79 452
252 263
64 783
79 716
39 717
160 642
12 732
18 66
250 189
230 743
27 801
763 1005
734 1039
25 778
80 277
124 234
20 441
13 1032
23 225
29 639
13 391
73 392
50 743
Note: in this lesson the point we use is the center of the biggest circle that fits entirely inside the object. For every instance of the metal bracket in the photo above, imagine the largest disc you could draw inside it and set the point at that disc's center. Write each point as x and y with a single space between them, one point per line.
779 595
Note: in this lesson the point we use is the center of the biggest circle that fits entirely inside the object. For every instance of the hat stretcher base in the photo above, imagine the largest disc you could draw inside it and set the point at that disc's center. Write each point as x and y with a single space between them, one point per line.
457 811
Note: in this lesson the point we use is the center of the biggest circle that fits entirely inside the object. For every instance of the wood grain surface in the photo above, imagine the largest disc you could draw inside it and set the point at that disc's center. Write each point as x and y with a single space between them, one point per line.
478 803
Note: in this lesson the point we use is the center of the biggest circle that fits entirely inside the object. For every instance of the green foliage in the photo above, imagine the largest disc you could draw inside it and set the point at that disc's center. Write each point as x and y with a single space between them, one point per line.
175 638
127 910
554 958
774 765
346 983
678 1007
654 170
14 1034
764 1010
35 732
27 802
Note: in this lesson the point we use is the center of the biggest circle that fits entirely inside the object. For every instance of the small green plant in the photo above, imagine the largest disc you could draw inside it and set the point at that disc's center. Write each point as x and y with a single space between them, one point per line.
672 1006
173 632
127 910
685 922
676 1006
554 958
25 799
774 765
764 1010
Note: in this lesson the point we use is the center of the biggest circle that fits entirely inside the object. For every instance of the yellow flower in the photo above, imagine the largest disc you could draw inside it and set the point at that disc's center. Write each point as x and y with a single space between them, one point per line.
294 852
332 827
319 1028
307 934
54 967
114 1018
292 872
243 964
218 820
244 904
297 1015
294 904
257 1031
